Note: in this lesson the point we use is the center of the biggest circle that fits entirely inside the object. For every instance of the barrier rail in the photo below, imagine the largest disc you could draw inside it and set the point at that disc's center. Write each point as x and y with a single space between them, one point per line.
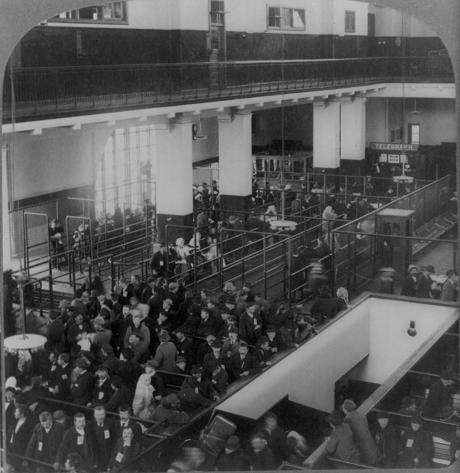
51 91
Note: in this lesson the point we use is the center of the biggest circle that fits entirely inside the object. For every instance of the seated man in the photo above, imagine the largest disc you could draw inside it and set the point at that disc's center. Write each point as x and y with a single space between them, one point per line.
196 391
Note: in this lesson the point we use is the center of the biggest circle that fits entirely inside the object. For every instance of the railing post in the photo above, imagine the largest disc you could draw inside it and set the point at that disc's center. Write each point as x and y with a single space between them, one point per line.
194 260
288 270
264 245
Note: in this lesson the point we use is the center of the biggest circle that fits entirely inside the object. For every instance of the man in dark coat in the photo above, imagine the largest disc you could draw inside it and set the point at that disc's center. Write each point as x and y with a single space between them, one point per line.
260 455
416 446
159 263
440 396
232 458
46 436
424 282
250 327
101 435
102 388
242 363
121 394
275 437
76 440
82 388
387 441
409 287
125 422
18 437
126 449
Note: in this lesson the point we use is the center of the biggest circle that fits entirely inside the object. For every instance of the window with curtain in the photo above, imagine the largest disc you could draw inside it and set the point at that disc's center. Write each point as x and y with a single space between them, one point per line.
350 22
286 18
124 177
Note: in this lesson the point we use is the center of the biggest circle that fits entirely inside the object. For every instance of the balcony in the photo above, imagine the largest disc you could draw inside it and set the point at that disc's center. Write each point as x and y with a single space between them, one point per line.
51 92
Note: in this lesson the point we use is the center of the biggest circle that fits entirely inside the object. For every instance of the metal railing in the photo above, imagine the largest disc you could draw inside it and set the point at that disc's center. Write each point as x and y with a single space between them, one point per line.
52 91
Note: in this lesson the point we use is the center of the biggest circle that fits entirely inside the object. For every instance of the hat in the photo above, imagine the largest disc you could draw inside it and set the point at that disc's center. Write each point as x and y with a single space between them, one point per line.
416 419
349 405
152 364
181 359
232 443
243 344
271 328
170 400
116 381
210 337
99 320
212 364
411 267
382 415
196 369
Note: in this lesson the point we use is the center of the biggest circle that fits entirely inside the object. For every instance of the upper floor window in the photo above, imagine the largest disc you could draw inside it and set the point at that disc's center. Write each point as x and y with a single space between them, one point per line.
217 13
112 12
350 22
286 18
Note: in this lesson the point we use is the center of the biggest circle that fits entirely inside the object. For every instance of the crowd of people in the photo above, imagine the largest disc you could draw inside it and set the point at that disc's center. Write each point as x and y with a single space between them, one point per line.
116 352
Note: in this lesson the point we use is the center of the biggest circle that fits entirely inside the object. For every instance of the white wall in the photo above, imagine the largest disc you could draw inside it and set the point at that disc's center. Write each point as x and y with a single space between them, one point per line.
389 22
209 147
390 345
322 16
360 9
57 160
436 118
308 375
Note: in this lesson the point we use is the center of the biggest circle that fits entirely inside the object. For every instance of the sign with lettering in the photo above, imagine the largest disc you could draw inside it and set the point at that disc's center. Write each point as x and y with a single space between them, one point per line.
394 147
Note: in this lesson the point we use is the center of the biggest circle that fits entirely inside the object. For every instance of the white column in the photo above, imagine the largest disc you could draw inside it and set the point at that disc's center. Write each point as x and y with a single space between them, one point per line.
353 128
235 154
173 144
326 134
6 229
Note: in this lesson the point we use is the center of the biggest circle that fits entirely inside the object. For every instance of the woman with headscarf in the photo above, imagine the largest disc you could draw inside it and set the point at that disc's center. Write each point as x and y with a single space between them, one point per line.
143 403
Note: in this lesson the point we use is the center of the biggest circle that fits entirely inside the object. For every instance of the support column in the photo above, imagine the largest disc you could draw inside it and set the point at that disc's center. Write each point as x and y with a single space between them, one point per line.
6 229
353 134
326 135
173 144
235 161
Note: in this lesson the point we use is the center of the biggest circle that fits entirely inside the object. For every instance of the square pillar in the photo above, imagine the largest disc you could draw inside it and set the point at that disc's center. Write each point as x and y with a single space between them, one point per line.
326 135
353 133
173 146
235 161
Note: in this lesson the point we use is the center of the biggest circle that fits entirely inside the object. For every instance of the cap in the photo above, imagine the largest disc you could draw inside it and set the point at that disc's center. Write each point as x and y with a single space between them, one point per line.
382 415
181 359
411 267
232 443
216 344
349 405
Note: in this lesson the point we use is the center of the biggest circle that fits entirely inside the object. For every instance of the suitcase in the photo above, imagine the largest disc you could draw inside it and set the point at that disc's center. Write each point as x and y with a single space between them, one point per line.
217 434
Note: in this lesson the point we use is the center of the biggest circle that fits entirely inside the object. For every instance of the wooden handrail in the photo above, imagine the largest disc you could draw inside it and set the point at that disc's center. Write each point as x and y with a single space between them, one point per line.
362 466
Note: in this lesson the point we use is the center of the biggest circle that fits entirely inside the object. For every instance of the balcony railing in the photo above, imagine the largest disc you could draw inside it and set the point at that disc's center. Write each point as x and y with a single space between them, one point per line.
59 91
